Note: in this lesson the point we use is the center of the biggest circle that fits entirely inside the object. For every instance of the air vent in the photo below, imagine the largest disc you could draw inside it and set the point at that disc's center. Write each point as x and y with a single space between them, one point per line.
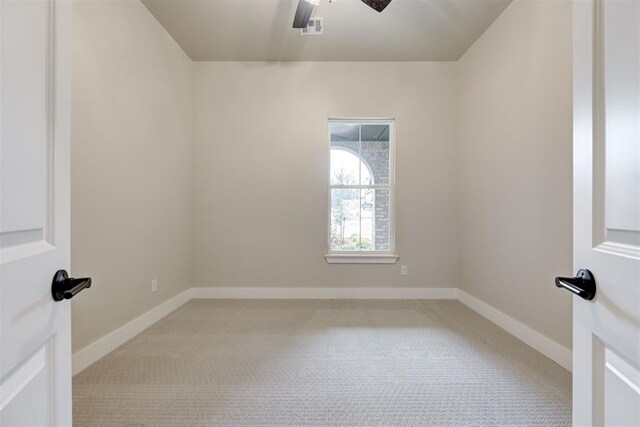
314 28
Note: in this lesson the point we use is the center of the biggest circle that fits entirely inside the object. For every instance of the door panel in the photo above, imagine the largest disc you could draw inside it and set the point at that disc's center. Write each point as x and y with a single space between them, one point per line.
35 351
607 210
622 120
25 128
24 399
622 391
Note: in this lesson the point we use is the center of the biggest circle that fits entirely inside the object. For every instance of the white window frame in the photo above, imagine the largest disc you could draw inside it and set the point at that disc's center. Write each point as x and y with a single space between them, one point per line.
365 257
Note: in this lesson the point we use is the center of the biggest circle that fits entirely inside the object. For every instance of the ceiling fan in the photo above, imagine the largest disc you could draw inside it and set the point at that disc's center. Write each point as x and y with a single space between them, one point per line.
305 7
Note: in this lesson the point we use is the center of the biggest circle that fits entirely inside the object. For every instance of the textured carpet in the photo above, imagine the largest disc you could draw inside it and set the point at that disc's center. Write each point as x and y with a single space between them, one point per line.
323 363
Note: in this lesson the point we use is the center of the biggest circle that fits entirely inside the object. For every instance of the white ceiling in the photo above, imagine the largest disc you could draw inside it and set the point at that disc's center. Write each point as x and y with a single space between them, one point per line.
260 30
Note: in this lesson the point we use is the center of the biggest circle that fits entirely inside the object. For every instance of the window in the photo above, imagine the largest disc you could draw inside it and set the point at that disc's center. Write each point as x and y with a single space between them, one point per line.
361 191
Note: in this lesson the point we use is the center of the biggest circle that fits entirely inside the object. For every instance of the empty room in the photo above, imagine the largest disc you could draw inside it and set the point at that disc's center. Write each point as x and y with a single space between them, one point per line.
320 213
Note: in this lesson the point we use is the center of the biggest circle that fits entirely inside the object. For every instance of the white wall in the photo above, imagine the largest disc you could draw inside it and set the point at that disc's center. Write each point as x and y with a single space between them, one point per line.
515 163
261 171
131 165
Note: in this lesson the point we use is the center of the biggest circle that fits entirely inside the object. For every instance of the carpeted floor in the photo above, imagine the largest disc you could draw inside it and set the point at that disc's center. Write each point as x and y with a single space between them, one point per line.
323 363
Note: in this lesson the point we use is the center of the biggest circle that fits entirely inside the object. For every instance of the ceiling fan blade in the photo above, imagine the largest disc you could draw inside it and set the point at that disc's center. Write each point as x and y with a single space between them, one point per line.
303 14
377 5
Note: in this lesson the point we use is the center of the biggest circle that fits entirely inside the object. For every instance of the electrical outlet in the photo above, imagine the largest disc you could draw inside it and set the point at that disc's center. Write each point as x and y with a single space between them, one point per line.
403 270
154 285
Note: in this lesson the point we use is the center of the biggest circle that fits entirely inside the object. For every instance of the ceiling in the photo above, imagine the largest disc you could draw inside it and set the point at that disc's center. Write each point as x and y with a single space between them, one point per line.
260 30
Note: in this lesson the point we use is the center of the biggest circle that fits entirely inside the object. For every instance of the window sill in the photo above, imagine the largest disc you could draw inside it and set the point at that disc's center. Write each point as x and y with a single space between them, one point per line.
361 258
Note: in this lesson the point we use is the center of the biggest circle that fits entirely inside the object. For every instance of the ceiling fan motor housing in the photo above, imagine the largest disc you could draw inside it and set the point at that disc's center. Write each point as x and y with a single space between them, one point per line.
378 5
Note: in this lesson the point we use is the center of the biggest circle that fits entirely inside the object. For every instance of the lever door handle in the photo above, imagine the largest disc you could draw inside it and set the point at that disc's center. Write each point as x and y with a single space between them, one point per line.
65 287
583 285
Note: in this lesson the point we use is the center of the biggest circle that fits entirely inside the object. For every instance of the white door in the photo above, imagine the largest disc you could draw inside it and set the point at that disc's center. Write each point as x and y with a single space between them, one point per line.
35 350
606 330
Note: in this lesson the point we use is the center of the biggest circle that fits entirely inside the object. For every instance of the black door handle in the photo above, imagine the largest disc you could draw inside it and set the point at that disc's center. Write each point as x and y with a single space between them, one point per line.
65 287
583 285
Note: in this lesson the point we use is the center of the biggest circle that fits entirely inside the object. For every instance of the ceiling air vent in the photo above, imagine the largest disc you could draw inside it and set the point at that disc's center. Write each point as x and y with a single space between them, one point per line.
314 28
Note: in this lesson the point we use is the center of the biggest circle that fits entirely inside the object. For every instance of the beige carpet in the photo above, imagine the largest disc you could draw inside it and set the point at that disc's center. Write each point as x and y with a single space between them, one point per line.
323 363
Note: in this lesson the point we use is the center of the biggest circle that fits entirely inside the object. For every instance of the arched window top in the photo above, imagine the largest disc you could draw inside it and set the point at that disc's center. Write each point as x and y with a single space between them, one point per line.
347 168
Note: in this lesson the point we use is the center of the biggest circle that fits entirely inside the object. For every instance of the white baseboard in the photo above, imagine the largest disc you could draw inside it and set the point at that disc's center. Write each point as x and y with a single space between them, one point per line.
94 352
554 351
105 345
323 293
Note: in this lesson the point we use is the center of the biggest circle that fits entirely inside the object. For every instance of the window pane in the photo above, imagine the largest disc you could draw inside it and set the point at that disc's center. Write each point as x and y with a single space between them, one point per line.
367 213
374 152
375 133
341 131
345 219
345 157
345 166
381 220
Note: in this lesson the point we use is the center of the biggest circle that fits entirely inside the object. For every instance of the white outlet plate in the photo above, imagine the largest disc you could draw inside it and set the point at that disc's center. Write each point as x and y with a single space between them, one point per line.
403 270
154 285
